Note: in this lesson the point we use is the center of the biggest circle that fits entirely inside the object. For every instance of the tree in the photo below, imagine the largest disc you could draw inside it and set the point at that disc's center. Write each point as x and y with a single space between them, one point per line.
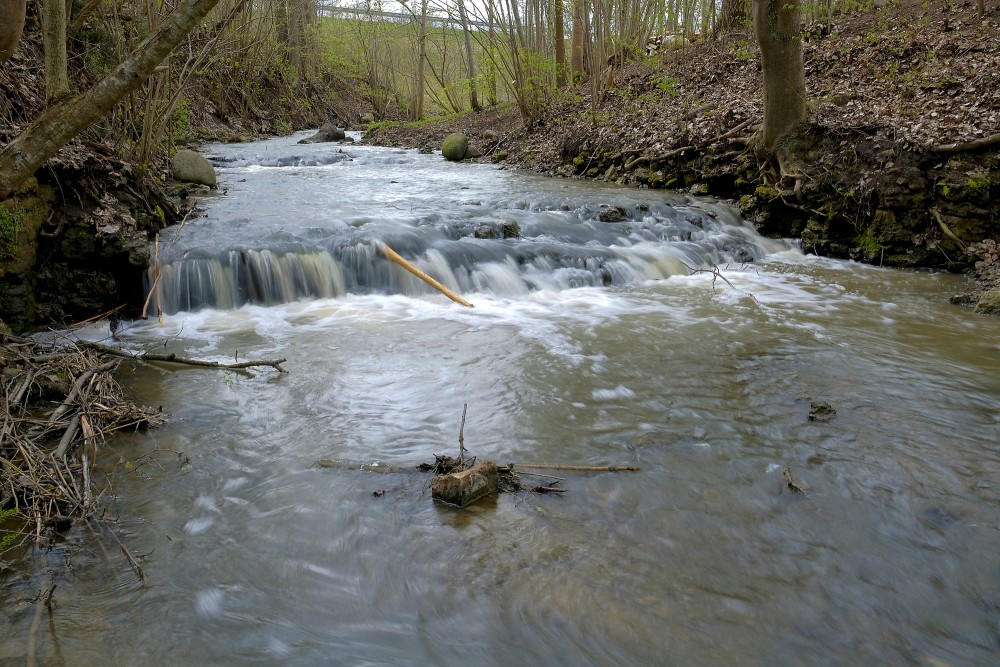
54 42
70 116
470 61
777 24
733 15
11 24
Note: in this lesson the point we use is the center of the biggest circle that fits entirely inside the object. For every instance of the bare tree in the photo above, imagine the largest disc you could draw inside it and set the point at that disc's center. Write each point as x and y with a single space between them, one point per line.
778 27
70 116
54 42
734 14
470 60
11 25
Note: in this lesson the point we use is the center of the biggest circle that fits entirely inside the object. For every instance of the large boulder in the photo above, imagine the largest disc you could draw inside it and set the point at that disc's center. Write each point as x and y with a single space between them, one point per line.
455 146
191 167
989 302
327 132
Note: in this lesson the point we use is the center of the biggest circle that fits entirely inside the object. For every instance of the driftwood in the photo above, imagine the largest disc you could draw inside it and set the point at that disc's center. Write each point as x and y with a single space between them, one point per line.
174 359
394 256
634 162
945 229
967 146
547 466
46 454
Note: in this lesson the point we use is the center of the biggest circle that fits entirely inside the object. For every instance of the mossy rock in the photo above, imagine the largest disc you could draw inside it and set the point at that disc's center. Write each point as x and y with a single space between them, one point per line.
989 303
454 147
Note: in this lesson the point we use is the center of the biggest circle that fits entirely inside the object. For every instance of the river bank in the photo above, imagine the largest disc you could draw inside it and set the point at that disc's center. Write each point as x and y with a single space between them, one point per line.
898 165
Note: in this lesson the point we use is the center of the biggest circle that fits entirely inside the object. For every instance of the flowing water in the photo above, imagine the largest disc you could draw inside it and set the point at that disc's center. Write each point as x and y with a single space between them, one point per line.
599 336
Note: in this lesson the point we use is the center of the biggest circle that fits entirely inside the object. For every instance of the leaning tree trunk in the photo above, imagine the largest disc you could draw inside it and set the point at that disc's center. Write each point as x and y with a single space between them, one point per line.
70 116
11 24
777 23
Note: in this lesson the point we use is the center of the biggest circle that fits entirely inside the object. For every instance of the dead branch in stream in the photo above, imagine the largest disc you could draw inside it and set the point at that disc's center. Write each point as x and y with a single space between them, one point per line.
174 359
46 452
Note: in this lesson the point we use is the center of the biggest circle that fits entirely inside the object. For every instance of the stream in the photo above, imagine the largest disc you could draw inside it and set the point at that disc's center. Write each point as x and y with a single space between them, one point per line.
600 334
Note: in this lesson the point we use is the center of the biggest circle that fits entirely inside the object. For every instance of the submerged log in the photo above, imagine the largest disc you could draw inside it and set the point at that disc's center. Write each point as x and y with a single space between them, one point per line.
467 486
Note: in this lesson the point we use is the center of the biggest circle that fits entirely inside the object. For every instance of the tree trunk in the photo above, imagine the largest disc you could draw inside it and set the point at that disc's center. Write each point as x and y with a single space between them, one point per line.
576 40
777 23
70 116
54 42
11 25
734 14
470 61
560 39
418 98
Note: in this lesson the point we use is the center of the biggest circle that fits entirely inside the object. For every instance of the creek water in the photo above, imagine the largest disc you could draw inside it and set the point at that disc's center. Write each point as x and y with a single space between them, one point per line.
599 336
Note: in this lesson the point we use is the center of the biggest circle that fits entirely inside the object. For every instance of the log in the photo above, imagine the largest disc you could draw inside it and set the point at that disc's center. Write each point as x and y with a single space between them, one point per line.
547 466
468 486
394 256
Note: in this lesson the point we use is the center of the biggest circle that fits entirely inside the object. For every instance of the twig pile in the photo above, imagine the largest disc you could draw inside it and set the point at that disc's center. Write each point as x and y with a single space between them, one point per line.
61 401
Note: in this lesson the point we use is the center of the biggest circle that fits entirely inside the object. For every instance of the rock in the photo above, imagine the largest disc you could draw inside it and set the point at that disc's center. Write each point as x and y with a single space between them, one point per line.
485 232
472 152
821 412
191 167
327 132
463 488
454 147
613 214
489 135
989 303
367 118
509 229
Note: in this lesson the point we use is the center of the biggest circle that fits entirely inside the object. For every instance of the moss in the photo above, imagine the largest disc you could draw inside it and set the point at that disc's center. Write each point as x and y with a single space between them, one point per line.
10 228
976 186
767 192
867 242
989 303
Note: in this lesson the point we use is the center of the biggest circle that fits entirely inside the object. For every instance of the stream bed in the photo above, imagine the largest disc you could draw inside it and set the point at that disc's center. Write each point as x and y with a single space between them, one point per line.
601 334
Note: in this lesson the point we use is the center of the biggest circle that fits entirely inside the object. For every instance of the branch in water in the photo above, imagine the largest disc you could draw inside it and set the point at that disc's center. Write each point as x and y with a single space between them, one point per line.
174 359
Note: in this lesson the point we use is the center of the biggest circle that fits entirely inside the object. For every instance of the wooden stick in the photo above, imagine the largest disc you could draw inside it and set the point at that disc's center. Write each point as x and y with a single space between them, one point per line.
547 466
174 359
394 256
461 438
962 147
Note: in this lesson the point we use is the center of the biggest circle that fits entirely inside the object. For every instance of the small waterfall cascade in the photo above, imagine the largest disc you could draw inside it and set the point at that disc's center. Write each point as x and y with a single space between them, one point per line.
498 234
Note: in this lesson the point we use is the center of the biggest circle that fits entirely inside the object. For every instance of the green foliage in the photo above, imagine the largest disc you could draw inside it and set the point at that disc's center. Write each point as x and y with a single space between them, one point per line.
867 242
181 124
668 85
977 186
9 537
10 227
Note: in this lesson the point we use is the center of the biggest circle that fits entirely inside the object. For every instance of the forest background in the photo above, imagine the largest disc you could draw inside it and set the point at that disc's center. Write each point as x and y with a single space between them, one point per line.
889 154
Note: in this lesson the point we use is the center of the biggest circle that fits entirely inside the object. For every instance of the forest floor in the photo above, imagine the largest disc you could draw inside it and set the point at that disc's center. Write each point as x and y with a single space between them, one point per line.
918 76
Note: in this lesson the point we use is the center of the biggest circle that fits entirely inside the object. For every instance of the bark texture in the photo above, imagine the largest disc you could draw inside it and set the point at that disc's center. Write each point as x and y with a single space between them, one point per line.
68 117
11 25
777 24
54 41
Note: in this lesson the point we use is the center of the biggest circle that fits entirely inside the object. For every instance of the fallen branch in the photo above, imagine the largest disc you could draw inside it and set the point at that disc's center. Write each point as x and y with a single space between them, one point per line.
394 256
548 466
966 146
174 359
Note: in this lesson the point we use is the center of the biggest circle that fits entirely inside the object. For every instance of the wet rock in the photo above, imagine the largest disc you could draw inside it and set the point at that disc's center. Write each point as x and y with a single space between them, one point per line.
464 488
821 412
989 302
190 167
613 214
485 232
509 229
327 132
454 147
